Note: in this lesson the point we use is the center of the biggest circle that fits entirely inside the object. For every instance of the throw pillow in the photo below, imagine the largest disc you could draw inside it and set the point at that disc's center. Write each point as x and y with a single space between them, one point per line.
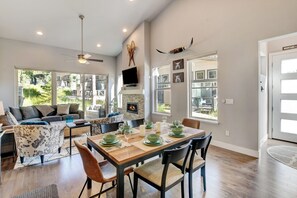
63 109
16 112
73 108
5 121
45 109
28 113
34 123
11 118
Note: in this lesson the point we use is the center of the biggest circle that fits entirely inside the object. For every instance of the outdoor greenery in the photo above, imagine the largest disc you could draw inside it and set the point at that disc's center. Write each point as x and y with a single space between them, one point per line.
163 108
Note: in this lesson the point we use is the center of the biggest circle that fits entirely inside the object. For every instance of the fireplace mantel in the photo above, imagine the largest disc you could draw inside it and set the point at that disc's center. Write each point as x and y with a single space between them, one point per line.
132 90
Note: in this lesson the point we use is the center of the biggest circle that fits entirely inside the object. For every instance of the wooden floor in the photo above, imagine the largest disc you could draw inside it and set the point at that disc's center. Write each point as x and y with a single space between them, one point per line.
229 174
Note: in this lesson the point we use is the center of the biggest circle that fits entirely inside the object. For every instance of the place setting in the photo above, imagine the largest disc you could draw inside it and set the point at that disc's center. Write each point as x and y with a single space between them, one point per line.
176 130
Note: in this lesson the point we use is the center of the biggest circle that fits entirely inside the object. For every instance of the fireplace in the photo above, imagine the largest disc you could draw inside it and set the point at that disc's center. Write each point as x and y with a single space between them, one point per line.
132 107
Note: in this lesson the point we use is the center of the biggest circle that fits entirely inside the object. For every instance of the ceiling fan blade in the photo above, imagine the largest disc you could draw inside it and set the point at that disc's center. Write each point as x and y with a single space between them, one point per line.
86 56
95 60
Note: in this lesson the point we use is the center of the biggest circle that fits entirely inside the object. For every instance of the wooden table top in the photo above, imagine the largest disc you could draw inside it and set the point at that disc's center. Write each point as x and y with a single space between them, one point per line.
134 148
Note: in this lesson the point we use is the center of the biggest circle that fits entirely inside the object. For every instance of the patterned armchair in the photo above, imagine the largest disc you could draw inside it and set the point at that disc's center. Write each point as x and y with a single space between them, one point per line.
38 140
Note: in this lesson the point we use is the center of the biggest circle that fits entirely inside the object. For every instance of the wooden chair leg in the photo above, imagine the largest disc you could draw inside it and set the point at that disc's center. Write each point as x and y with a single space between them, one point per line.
135 186
190 175
182 189
130 183
82 189
100 190
162 193
204 177
42 158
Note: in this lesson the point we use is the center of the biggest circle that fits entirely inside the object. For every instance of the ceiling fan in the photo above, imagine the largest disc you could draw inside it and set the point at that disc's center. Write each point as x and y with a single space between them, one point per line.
84 58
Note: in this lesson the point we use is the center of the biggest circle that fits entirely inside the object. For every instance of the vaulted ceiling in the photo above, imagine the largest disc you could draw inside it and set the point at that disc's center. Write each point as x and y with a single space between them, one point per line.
60 24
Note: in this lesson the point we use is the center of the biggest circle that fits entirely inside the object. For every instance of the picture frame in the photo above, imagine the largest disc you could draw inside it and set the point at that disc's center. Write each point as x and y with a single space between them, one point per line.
164 78
178 77
178 64
200 75
212 74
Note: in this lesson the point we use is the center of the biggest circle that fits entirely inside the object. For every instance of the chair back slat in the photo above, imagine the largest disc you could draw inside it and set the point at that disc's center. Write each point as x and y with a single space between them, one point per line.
191 123
105 128
90 163
135 123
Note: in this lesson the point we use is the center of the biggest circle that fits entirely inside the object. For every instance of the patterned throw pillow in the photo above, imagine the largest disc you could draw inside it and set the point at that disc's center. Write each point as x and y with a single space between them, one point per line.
29 112
73 108
63 109
16 112
45 109
11 118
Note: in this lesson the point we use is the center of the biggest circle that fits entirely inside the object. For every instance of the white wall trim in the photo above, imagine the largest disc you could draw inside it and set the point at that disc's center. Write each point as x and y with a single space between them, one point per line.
262 141
235 148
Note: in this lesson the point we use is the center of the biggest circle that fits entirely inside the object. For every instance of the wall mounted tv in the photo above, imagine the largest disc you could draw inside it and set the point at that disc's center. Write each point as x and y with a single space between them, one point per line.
130 76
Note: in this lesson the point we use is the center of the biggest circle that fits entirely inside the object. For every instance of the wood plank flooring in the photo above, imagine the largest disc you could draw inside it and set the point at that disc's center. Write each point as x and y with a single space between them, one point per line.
229 174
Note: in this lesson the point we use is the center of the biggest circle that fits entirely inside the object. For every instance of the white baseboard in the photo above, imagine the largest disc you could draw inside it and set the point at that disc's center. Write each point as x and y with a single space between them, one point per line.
235 148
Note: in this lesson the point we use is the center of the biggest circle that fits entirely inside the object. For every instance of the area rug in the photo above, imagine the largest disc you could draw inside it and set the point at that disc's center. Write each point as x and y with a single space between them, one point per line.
284 154
50 191
29 161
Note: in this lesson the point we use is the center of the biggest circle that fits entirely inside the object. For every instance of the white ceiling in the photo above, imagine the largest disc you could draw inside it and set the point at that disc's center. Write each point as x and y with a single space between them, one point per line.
58 20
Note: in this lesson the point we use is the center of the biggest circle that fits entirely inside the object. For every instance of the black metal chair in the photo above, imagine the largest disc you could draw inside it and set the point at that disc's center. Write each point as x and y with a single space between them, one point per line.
105 128
161 173
135 123
196 162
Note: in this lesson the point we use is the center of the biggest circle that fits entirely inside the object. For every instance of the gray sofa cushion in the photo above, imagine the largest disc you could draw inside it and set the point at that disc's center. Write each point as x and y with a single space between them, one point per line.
29 112
73 108
63 109
30 120
16 112
51 118
74 116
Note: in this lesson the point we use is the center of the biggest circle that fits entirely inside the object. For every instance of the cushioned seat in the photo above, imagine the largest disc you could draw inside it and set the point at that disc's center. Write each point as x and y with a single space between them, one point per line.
52 118
153 171
30 120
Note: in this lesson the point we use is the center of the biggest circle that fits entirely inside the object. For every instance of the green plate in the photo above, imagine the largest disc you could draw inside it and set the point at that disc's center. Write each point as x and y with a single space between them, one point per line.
148 143
103 143
176 136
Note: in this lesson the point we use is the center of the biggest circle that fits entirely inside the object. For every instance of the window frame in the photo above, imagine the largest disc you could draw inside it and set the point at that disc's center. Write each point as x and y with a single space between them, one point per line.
192 79
155 89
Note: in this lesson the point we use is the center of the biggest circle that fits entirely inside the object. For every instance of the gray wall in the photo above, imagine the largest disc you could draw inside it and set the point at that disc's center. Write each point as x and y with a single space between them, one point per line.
34 56
233 29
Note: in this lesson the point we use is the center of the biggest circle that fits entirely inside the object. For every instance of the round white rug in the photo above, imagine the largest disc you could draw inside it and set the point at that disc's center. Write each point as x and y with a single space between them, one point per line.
284 154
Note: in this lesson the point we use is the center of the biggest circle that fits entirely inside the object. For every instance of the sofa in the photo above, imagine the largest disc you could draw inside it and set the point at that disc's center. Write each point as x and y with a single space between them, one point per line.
48 113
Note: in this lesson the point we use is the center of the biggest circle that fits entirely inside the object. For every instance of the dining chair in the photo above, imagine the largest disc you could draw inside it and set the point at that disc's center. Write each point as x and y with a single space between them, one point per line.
105 128
191 123
161 173
102 172
195 162
135 123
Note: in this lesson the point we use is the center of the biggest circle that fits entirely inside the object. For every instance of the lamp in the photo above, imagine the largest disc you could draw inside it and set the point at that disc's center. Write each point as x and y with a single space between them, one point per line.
81 59
2 112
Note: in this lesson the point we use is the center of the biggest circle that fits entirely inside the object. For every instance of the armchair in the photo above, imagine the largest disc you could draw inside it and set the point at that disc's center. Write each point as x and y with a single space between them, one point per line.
37 140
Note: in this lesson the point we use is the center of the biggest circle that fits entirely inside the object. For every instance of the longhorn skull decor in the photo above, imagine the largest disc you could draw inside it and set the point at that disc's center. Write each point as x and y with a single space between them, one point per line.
177 50
131 49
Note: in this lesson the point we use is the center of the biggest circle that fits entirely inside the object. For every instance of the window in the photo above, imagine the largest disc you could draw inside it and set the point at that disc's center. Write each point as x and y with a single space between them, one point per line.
34 87
162 91
204 87
69 89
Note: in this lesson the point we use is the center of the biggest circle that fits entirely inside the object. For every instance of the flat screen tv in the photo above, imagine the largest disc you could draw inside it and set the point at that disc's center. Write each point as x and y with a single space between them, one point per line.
130 76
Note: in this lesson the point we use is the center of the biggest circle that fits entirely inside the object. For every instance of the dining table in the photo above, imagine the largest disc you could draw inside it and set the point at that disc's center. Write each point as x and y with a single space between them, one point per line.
133 149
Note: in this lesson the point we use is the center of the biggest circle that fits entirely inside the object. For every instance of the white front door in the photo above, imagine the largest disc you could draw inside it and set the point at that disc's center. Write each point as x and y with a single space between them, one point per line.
284 96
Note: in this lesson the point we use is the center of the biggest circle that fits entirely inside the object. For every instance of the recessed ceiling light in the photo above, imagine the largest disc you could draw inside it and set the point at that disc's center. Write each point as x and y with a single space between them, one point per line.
125 30
98 45
39 33
131 0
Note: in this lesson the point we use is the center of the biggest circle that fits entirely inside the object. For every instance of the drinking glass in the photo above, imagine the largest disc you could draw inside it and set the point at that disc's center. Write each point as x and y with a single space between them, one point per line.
127 134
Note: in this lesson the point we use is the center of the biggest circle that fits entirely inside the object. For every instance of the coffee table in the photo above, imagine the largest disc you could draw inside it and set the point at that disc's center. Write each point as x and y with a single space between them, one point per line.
71 126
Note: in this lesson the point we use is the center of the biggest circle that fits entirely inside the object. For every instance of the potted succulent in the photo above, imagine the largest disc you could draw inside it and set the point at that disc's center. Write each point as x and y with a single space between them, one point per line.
177 127
148 124
125 128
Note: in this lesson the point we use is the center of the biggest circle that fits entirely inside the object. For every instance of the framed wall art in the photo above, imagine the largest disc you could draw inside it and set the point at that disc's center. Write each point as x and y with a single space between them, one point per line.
212 74
178 64
178 77
200 75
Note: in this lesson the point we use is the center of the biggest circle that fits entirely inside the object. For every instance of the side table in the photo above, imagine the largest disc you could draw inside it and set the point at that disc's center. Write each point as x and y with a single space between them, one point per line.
1 134
71 126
